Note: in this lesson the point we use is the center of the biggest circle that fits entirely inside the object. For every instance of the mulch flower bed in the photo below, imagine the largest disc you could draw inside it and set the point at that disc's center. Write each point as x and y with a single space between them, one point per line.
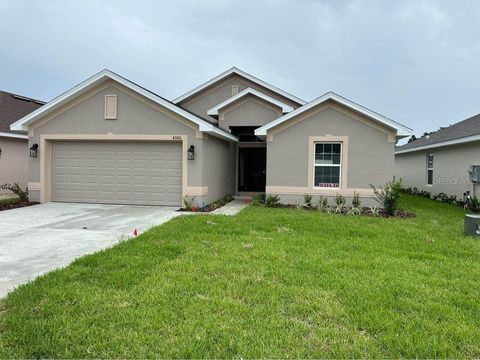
8 205
210 207
364 211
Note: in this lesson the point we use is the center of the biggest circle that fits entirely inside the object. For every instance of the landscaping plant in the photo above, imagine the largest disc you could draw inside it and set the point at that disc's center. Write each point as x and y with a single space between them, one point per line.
307 200
322 203
17 190
340 204
388 195
188 202
272 200
356 200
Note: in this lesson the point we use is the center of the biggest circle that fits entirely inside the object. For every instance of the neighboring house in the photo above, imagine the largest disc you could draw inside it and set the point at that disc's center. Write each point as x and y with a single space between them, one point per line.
14 144
109 140
440 161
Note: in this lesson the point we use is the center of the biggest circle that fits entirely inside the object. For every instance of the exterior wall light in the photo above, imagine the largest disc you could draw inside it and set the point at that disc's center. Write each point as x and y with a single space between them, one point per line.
191 153
34 150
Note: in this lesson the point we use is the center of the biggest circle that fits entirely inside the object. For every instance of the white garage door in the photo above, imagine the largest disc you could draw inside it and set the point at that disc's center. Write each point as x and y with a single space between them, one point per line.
142 173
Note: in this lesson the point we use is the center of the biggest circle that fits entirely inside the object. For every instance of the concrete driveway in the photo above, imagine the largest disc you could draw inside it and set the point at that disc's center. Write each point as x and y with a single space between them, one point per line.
40 238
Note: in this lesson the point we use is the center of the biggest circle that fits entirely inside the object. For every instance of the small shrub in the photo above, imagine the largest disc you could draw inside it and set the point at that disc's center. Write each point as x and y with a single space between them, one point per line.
322 204
356 200
307 200
17 190
388 195
258 200
272 200
339 200
473 204
188 202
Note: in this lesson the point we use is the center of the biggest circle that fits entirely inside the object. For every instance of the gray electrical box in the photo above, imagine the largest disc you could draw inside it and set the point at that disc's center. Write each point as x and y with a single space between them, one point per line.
474 173
472 225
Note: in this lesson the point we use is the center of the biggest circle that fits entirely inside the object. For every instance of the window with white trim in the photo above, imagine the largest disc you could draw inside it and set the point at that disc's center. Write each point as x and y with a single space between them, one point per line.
429 169
327 164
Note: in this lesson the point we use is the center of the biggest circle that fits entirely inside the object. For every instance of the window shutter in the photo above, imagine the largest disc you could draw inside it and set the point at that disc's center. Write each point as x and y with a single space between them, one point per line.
110 107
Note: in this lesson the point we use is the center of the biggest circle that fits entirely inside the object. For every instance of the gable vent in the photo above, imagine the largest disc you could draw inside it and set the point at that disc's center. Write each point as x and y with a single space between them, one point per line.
110 107
234 90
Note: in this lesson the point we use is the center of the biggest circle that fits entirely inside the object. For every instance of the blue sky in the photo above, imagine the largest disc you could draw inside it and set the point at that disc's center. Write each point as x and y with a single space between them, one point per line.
417 62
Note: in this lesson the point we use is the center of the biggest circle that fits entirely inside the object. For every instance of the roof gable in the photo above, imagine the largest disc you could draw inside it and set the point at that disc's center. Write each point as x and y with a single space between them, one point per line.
241 73
204 126
249 91
400 129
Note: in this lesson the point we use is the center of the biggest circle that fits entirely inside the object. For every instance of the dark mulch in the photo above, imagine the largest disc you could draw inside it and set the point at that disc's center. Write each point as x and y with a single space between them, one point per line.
9 204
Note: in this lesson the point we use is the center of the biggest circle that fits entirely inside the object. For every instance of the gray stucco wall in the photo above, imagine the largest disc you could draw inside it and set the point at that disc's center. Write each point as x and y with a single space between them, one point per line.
215 94
370 155
251 112
219 168
134 117
13 162
450 167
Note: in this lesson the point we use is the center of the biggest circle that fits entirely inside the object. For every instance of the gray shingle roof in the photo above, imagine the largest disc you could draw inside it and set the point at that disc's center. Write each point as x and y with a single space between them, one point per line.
14 107
468 127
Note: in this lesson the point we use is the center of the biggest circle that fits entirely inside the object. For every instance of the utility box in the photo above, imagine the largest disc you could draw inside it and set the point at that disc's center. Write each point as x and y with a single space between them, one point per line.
472 225
474 173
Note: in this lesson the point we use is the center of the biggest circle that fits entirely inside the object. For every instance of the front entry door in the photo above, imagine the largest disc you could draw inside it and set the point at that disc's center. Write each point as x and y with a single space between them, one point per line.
252 163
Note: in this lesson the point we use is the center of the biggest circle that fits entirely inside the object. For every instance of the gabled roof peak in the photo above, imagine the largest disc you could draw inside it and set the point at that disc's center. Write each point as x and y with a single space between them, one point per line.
249 91
235 70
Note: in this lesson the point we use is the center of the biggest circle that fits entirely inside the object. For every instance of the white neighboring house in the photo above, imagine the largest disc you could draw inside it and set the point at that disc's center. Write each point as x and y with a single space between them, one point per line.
14 144
445 161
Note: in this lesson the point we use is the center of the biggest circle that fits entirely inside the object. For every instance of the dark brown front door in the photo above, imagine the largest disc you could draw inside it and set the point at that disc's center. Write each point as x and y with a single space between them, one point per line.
252 163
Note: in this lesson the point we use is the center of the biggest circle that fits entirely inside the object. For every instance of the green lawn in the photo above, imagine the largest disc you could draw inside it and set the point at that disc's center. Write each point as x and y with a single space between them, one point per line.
266 283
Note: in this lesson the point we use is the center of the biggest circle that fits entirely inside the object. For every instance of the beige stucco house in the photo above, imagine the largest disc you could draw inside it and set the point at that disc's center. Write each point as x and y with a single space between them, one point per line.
445 161
14 144
109 140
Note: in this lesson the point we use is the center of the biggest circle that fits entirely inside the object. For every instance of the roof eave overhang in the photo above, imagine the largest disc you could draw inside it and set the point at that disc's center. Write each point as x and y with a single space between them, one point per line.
204 126
401 131
464 140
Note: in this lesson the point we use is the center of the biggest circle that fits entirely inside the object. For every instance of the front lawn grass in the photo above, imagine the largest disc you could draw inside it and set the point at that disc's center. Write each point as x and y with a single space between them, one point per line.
265 283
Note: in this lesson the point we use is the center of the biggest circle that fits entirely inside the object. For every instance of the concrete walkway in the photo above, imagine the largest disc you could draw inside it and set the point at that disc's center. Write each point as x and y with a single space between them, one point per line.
233 207
40 238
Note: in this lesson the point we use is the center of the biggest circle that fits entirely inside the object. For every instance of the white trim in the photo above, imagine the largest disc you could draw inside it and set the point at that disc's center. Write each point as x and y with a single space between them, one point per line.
204 126
214 110
430 168
13 135
252 78
328 165
440 144
402 130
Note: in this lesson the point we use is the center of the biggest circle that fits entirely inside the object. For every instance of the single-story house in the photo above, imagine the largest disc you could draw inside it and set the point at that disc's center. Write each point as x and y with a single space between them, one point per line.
109 140
444 161
14 144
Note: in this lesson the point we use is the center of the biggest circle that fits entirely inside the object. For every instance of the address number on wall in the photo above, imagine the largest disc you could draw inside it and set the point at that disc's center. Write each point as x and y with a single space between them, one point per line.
177 137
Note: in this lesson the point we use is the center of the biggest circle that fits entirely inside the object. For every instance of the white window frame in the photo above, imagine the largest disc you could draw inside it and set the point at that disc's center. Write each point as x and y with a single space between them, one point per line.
430 168
340 165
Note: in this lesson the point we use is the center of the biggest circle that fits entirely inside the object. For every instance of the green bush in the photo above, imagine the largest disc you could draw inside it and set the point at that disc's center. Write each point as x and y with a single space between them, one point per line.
307 200
322 203
356 200
473 204
388 195
258 200
272 200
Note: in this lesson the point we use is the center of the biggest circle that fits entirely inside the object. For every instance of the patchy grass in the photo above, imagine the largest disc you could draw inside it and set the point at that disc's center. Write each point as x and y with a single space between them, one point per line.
266 283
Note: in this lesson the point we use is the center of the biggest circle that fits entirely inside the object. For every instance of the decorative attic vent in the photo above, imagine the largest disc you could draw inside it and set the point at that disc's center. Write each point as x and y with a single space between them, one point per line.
110 107
234 90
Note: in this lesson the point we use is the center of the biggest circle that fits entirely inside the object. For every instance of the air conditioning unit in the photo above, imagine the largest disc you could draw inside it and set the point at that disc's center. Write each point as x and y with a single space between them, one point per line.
474 173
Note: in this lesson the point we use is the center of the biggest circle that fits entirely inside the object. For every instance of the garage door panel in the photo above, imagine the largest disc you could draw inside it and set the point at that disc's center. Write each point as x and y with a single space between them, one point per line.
146 173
